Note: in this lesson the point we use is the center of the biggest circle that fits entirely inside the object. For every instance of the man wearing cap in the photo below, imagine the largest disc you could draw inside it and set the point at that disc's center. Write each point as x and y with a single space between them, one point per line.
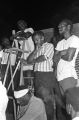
72 102
30 107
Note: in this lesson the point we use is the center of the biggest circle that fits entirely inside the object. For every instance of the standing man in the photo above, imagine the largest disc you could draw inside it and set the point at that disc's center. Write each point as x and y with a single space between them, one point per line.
28 46
44 79
65 55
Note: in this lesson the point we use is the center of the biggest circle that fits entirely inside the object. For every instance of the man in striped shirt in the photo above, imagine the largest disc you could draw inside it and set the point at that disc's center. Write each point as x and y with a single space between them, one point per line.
44 80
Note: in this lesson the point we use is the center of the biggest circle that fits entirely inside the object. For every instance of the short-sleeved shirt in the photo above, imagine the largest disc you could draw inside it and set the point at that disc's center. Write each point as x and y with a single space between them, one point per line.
66 69
47 49
61 45
29 47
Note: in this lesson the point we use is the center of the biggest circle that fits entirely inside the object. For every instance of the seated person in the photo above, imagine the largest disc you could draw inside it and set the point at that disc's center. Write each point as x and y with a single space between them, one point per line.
30 107
72 102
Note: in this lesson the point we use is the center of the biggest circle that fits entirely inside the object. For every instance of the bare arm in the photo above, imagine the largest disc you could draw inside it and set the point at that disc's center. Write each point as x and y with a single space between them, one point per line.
69 54
33 59
57 56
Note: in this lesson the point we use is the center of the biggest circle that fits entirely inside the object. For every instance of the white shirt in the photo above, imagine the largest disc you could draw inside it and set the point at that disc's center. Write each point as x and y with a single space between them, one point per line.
1 53
61 45
29 47
3 101
76 118
66 69
5 57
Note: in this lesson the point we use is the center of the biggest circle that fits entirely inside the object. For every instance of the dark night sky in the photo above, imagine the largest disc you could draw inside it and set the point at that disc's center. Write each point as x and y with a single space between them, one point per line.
38 14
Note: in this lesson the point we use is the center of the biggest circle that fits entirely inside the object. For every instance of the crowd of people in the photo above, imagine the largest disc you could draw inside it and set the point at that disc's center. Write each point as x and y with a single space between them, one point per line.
52 69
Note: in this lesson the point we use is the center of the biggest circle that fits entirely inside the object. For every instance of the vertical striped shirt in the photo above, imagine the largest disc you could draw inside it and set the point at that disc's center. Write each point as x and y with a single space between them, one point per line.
77 65
47 50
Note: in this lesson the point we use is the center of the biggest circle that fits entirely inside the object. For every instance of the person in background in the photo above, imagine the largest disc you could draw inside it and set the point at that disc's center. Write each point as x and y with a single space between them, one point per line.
29 107
3 101
6 46
25 33
72 102
65 55
1 55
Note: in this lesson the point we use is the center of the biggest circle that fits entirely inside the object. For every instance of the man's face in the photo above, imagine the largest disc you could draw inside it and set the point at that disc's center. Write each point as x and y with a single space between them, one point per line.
62 28
24 100
38 40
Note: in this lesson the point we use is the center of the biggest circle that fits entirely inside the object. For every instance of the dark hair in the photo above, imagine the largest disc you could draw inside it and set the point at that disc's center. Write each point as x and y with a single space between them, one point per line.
68 22
22 22
5 42
39 33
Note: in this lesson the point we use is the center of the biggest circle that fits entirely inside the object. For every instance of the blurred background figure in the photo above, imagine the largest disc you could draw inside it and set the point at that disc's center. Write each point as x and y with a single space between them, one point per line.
72 102
22 40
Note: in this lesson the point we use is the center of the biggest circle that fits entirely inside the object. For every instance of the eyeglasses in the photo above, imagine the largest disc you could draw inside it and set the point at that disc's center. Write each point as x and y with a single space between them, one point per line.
61 26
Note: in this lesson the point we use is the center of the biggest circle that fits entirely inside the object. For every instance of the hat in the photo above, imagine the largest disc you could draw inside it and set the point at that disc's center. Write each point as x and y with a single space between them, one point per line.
20 92
72 97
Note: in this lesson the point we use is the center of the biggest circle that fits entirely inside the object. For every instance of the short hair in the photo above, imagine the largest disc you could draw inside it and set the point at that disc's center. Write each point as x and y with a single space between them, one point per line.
68 22
22 22
39 33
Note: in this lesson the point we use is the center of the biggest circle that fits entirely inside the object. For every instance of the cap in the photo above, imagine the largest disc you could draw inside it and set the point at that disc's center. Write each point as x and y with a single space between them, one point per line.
20 92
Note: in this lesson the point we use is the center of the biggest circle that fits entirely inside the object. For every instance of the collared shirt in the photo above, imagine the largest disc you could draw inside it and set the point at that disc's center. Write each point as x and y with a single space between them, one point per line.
66 69
47 49
61 45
